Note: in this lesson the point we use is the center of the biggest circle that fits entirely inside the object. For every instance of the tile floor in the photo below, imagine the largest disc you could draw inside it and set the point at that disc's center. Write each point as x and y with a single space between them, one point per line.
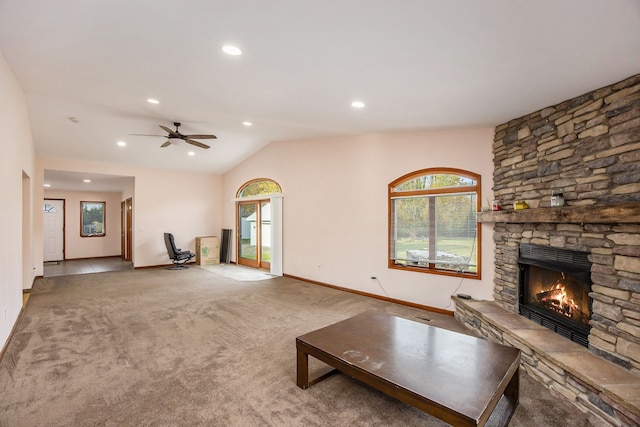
84 266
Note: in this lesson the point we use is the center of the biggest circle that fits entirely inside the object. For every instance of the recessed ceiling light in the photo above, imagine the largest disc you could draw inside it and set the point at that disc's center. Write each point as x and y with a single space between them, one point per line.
122 143
86 180
357 104
247 123
153 101
191 153
47 185
231 50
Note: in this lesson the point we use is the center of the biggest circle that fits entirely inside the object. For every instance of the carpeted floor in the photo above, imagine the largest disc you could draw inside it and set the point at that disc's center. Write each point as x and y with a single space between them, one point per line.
156 347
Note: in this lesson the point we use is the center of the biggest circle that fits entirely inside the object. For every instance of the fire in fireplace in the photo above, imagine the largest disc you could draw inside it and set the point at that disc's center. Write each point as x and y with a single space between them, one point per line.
554 290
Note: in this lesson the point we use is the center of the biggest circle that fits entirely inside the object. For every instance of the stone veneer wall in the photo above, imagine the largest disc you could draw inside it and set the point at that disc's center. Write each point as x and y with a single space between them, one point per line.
589 147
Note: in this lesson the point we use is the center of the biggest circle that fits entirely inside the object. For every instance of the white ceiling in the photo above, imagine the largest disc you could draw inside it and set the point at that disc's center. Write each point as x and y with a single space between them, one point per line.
417 64
75 181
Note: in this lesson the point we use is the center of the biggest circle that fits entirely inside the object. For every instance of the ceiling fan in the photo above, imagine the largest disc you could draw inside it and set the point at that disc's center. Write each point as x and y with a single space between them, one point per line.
175 134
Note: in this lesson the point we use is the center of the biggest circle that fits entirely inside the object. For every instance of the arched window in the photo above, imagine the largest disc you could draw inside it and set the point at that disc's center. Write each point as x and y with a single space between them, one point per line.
259 187
432 222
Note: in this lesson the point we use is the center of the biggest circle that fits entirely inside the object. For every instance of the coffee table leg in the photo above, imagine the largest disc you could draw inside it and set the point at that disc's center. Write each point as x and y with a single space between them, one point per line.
302 369
513 389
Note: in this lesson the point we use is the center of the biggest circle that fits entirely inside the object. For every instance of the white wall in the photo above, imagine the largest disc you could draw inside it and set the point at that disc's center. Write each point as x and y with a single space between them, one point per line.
184 203
89 247
16 227
335 207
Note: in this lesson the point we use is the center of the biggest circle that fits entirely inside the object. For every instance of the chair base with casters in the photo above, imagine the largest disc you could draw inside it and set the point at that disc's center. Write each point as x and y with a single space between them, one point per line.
177 256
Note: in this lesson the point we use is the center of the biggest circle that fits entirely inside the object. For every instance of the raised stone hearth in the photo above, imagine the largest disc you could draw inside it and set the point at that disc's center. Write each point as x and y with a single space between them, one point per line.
605 391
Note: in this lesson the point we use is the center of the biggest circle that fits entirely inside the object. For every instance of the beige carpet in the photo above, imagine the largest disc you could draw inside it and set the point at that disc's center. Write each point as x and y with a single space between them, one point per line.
156 347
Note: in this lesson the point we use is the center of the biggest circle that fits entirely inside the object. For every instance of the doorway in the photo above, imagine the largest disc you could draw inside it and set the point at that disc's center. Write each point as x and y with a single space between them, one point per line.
27 259
126 228
254 233
53 229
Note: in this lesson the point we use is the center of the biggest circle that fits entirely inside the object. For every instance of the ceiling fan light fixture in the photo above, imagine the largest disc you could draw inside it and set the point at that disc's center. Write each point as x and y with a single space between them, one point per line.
174 136
191 153
231 50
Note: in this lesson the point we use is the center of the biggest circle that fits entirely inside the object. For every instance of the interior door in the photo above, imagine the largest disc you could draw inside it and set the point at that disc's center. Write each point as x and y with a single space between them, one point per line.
128 207
254 233
53 229
123 232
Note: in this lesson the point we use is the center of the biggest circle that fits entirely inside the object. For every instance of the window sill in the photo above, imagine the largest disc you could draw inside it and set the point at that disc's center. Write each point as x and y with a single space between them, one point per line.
475 276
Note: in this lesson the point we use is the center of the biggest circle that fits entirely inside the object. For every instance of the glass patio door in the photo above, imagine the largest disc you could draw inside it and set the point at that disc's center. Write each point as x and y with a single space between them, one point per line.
254 233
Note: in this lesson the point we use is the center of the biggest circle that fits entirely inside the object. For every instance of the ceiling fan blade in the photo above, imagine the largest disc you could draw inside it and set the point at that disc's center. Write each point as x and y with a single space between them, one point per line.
196 143
166 144
144 134
201 136
169 131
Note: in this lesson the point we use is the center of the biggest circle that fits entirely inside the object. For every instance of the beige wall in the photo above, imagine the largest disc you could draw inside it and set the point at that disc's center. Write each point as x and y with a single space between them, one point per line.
16 195
183 203
335 207
89 247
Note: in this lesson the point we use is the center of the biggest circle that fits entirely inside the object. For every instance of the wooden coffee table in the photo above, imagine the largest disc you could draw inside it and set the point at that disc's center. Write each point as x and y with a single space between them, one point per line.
463 380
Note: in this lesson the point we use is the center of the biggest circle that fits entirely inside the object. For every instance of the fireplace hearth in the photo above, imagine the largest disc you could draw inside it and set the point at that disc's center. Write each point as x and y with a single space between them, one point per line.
554 286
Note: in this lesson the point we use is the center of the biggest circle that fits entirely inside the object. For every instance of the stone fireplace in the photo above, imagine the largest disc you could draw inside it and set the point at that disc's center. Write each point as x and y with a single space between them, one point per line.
553 288
589 149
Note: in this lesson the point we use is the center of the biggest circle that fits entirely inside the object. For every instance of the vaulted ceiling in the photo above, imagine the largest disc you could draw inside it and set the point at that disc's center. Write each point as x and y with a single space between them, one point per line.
88 69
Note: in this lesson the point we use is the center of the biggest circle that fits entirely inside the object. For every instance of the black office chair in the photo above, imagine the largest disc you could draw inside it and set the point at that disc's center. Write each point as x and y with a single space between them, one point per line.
178 256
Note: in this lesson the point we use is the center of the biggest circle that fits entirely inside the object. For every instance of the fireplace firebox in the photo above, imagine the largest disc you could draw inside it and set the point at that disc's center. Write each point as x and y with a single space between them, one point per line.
554 286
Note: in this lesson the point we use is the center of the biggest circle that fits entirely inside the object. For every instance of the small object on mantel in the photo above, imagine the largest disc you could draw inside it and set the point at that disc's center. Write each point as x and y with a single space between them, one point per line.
520 204
463 296
557 199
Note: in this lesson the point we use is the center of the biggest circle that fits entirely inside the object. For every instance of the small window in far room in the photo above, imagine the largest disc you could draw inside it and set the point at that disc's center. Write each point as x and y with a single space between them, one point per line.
432 222
92 219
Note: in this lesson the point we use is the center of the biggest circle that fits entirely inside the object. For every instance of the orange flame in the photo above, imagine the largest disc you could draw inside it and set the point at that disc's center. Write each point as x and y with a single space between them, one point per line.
557 300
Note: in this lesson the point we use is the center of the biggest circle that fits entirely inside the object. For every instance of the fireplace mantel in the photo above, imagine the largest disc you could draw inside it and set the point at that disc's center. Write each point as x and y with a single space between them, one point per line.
624 213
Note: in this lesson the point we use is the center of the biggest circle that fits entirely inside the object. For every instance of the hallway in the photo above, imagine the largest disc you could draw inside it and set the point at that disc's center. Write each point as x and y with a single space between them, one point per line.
85 266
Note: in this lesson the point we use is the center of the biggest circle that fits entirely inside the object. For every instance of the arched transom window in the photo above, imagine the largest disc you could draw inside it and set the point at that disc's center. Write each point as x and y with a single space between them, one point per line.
432 222
259 187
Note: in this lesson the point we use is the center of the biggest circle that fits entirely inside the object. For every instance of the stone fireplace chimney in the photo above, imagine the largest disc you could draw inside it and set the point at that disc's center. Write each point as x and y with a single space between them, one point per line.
588 148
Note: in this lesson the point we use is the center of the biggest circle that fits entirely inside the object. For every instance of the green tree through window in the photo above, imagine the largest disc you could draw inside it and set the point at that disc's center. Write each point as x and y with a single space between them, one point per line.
432 223
92 219
259 187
